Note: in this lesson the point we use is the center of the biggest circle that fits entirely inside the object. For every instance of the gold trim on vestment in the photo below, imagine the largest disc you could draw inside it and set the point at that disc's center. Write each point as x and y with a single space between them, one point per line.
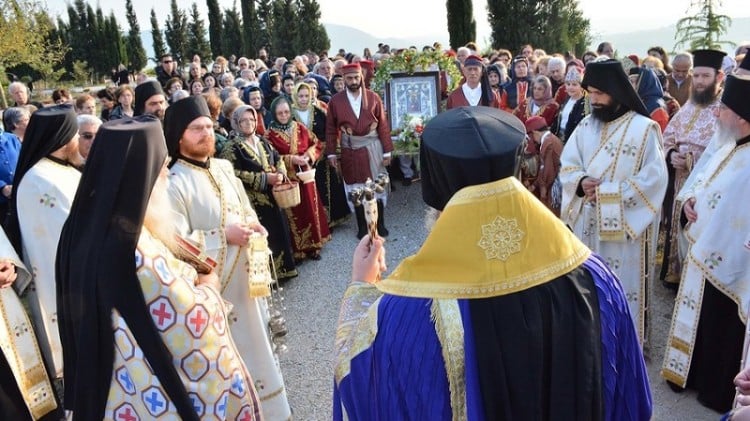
546 250
357 326
450 332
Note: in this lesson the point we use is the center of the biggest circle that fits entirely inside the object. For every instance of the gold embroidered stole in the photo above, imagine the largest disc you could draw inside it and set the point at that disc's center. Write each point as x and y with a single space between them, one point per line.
502 240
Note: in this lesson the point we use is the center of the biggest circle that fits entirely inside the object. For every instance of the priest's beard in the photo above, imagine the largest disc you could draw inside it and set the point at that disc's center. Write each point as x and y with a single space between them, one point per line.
159 214
200 150
606 112
707 96
726 134
430 218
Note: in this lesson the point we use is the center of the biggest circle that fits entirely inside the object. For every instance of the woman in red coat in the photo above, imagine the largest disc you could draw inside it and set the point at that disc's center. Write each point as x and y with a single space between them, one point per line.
541 102
300 149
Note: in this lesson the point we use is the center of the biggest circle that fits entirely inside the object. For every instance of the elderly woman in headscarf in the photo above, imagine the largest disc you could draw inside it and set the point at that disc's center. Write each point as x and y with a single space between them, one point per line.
259 168
300 150
330 187
652 94
540 103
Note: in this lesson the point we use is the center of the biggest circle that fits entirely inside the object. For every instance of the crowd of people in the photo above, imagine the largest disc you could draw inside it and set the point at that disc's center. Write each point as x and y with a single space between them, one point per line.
156 231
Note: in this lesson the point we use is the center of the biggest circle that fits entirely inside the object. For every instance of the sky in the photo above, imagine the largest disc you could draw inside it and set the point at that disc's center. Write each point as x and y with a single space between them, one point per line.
407 18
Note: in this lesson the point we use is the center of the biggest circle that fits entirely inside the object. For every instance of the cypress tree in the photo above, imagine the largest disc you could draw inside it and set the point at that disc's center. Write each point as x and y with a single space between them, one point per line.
462 27
176 32
249 28
158 37
265 22
215 19
285 28
232 40
312 34
557 25
136 53
197 43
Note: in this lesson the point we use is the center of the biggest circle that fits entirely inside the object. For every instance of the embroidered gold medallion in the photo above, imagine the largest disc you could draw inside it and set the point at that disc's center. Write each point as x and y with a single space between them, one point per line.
501 238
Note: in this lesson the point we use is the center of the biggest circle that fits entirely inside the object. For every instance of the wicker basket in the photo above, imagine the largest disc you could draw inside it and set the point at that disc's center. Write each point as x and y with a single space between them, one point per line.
286 194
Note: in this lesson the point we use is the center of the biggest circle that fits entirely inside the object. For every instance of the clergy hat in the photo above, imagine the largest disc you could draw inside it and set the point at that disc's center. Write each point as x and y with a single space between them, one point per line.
609 77
49 129
473 60
745 63
178 116
351 68
466 146
736 92
143 92
708 58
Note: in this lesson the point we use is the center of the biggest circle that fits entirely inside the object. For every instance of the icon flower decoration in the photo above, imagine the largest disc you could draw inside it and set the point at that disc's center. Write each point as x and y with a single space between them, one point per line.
501 238
410 135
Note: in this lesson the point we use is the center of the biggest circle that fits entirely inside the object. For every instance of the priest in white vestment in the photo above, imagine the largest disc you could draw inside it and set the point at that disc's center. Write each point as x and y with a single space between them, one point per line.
47 178
704 348
213 211
614 178
25 389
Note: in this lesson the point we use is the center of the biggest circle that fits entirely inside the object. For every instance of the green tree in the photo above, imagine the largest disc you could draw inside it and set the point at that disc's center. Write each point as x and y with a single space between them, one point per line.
176 32
557 25
462 28
703 26
215 32
232 40
28 37
312 34
118 51
136 52
197 42
265 22
158 37
249 28
285 28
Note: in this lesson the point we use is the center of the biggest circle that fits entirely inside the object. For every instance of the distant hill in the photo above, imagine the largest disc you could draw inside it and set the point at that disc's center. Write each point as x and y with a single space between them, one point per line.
636 42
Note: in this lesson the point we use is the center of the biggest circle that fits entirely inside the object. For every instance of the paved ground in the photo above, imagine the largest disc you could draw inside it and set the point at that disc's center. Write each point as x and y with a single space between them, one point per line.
312 302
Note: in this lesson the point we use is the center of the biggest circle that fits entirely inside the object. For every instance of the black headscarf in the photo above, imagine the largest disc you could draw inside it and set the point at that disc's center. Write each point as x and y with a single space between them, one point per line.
275 123
178 116
467 146
609 77
143 92
96 268
49 129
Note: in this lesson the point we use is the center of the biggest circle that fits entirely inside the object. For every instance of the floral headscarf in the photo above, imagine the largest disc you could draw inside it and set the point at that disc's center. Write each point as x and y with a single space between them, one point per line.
295 96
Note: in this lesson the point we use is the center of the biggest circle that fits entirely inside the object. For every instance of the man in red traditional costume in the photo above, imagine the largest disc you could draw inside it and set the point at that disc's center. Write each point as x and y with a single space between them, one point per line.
476 90
357 128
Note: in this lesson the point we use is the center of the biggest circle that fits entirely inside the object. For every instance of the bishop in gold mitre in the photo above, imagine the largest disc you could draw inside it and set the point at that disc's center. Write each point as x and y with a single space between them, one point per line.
502 314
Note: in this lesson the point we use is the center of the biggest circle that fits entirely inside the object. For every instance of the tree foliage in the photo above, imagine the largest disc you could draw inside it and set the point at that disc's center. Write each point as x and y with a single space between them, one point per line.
157 36
215 20
232 39
703 26
136 53
312 34
197 42
249 28
462 27
265 22
176 32
555 25
285 28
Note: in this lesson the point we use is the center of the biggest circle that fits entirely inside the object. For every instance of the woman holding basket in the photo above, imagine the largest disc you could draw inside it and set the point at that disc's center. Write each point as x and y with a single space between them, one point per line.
260 168
300 149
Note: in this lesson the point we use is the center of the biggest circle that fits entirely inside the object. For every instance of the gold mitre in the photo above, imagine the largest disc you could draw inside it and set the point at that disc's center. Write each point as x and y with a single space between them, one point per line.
491 239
